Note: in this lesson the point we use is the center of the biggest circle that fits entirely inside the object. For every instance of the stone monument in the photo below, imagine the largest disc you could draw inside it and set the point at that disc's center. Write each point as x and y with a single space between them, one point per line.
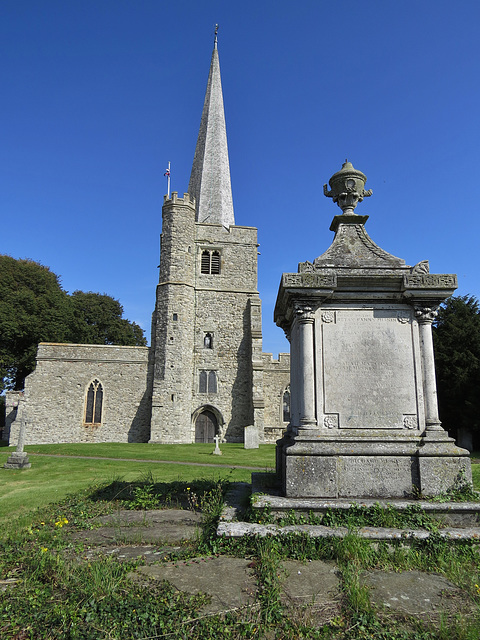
19 459
364 417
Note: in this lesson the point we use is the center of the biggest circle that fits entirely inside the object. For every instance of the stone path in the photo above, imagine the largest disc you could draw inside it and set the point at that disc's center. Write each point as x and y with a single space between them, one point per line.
165 525
311 590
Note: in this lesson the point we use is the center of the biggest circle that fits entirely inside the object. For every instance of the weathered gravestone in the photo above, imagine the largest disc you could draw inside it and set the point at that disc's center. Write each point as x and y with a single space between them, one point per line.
364 417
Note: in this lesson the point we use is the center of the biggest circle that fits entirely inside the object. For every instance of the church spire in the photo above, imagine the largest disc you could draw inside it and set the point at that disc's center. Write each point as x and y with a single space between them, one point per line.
210 177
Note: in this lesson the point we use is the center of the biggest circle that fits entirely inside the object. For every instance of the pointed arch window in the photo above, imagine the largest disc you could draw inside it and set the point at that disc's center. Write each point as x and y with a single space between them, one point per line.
94 403
286 404
210 262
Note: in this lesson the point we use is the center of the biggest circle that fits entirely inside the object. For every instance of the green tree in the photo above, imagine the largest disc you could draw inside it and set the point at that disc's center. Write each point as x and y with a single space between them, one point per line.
456 335
33 308
98 320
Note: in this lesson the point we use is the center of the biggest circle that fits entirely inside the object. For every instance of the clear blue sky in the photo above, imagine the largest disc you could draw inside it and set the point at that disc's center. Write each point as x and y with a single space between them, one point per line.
97 97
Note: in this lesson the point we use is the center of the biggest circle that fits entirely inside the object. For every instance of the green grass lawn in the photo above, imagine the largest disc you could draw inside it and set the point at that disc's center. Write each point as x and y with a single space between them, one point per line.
232 454
51 479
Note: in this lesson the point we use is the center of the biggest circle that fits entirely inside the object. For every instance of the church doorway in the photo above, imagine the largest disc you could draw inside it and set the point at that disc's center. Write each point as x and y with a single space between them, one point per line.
206 427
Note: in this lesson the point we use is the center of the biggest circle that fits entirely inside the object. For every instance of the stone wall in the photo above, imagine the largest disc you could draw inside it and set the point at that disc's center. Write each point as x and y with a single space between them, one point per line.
276 377
55 394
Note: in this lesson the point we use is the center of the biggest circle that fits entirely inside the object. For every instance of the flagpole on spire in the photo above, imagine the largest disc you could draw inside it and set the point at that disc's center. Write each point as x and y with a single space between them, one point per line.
167 174
215 41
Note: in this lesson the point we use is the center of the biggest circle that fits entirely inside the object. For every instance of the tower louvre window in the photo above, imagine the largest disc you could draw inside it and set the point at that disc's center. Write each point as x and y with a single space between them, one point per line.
205 268
210 262
215 263
94 403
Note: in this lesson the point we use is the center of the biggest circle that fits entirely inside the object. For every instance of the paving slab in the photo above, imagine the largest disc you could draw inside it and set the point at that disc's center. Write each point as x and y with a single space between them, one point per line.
166 525
413 592
311 590
229 581
130 552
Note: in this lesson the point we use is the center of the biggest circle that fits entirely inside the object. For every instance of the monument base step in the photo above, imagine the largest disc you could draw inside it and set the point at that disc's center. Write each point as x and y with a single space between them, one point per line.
267 495
17 461
464 516
375 534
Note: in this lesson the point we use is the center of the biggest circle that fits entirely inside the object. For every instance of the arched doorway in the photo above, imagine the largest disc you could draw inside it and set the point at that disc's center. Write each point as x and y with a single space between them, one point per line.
206 426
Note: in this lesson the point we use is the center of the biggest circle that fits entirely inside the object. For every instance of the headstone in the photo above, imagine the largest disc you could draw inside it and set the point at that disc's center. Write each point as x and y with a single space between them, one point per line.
217 451
250 437
364 416
19 459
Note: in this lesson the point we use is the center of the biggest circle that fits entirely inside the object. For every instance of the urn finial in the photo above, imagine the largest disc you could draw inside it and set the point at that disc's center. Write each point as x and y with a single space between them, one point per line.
347 188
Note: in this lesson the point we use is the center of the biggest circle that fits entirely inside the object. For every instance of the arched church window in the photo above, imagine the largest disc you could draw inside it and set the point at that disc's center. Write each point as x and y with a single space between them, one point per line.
94 403
210 262
208 341
286 404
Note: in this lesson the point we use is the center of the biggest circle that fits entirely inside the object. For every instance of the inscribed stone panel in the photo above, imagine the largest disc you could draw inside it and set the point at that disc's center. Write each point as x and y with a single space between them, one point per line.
369 372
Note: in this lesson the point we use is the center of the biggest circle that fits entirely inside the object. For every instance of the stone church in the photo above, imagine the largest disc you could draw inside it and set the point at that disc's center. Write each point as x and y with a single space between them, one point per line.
205 373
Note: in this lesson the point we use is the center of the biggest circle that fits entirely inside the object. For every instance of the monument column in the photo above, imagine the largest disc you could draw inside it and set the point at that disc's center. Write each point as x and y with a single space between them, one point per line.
305 318
425 316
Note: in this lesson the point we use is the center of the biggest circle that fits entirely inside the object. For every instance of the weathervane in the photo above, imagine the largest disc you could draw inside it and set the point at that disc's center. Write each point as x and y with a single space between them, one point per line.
216 32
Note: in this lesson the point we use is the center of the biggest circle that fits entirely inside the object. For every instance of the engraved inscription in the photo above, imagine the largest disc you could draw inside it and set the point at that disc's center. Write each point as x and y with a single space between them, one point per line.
369 369
308 280
430 281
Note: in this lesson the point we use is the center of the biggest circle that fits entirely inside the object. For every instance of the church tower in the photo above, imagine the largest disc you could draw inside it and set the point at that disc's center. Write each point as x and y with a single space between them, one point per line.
207 327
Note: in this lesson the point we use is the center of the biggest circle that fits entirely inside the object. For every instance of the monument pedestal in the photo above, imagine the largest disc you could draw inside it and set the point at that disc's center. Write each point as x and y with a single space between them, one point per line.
367 465
364 417
17 460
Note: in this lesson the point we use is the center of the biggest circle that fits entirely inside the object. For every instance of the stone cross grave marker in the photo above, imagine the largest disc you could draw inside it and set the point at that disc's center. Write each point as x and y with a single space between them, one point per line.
217 451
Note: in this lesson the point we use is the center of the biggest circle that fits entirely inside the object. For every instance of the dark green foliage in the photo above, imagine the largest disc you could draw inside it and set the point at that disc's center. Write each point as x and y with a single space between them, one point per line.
34 308
456 335
98 320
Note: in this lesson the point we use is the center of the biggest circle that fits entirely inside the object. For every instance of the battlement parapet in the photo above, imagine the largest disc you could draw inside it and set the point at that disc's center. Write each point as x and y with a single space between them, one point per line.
187 199
269 362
